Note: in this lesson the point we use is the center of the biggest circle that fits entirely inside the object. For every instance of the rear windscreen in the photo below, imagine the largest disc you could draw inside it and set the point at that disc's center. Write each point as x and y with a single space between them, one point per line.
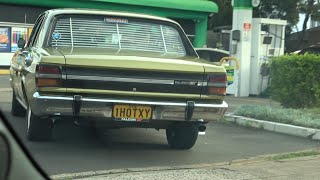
116 34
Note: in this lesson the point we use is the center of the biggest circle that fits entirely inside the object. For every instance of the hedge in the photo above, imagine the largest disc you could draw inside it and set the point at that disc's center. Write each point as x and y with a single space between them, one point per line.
295 80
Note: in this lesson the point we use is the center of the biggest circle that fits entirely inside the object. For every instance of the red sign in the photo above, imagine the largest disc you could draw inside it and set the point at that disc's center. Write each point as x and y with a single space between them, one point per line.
246 26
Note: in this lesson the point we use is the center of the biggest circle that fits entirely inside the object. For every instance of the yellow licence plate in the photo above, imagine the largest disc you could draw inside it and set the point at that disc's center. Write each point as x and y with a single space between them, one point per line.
132 112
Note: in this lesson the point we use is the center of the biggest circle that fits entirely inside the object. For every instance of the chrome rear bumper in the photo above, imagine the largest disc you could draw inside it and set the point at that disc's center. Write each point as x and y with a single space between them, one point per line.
92 107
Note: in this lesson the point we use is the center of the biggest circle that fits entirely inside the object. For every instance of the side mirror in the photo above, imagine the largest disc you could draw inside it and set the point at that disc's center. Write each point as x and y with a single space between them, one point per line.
21 43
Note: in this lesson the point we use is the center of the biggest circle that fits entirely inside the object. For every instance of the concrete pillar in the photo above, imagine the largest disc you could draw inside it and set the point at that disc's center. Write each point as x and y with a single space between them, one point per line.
201 33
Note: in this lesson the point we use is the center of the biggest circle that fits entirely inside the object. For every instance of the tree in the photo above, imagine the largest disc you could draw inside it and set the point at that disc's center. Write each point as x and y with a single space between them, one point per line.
223 17
279 9
311 9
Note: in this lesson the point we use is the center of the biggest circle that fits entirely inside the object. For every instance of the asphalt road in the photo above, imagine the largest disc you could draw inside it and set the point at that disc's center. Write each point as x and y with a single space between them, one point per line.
78 149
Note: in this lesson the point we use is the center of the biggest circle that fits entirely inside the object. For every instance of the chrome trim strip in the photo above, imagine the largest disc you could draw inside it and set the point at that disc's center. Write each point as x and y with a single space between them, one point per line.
217 84
204 83
64 76
21 103
223 105
117 79
71 32
37 96
160 103
55 76
136 102
133 80
164 41
28 119
118 34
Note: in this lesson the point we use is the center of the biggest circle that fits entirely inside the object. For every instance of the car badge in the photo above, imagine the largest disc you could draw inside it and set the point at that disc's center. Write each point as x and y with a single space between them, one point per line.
134 89
116 20
56 36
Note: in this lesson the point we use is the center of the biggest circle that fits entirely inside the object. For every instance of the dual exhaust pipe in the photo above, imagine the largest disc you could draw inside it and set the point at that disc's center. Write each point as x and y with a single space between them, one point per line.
202 127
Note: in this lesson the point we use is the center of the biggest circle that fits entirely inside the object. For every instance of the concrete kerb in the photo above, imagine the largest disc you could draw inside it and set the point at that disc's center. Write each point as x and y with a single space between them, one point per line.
275 127
5 89
226 164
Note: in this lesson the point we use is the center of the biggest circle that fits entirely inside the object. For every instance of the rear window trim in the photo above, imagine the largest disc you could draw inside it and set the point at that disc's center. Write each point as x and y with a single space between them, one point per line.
187 44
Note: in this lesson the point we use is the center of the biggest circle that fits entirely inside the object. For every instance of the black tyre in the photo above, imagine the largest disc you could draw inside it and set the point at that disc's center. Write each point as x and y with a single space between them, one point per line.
182 136
38 129
16 108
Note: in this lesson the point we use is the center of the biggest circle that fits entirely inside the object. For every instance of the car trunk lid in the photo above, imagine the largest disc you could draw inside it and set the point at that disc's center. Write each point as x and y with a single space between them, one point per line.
133 75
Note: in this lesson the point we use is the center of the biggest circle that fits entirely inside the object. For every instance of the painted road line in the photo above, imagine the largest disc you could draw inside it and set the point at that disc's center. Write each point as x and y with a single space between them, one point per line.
4 71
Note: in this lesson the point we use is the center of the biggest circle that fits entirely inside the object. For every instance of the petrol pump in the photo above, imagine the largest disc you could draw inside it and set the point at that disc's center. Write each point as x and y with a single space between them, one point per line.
253 42
267 42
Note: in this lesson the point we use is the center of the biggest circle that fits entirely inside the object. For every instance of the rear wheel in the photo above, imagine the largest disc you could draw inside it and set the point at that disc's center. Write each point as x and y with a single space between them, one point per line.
38 129
182 136
16 108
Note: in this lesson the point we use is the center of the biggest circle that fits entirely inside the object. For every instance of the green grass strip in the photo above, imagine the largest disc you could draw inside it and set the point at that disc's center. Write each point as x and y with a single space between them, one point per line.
300 117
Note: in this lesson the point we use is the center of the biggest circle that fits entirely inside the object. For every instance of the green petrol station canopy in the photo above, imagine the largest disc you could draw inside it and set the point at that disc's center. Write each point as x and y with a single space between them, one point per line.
189 5
197 10
187 9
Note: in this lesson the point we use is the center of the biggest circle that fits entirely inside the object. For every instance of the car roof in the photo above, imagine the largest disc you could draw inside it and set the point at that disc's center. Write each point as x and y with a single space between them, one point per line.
54 12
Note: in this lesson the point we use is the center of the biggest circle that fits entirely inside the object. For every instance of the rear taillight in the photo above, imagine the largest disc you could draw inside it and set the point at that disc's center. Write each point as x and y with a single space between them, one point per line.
217 84
48 76
45 69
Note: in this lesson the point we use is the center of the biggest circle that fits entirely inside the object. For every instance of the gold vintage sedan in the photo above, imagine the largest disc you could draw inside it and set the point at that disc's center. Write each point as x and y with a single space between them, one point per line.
115 70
